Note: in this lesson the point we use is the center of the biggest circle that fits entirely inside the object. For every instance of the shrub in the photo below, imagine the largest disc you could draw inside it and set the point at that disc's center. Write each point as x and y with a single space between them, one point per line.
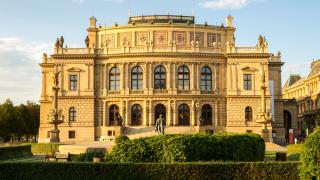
310 156
15 152
188 148
229 170
86 157
44 148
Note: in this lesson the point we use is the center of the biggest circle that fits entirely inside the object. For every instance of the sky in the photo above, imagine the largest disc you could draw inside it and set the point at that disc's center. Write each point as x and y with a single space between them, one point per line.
29 28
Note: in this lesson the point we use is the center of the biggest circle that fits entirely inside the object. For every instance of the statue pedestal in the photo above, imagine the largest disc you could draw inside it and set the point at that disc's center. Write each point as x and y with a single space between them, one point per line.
54 136
266 135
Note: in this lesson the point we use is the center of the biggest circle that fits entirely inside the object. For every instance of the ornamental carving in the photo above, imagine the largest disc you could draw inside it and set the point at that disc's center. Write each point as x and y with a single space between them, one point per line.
199 38
180 38
108 40
213 38
160 38
124 39
142 38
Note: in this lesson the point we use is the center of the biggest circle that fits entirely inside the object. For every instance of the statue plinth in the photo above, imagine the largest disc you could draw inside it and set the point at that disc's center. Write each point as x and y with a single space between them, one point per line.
266 135
54 136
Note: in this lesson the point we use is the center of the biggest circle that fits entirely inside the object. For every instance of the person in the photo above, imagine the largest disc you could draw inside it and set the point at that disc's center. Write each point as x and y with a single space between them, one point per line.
295 140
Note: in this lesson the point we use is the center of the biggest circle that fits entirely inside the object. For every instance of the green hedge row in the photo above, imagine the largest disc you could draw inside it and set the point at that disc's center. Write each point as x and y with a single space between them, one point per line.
15 152
188 148
44 148
225 171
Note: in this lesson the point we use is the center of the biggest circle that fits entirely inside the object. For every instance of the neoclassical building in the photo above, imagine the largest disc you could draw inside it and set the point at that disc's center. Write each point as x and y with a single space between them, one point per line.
192 74
303 113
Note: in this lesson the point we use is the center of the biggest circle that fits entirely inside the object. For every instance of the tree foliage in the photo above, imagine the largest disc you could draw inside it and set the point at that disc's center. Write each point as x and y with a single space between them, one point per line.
17 122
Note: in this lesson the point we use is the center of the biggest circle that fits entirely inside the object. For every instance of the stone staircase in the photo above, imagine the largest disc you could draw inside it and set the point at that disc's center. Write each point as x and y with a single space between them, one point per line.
136 132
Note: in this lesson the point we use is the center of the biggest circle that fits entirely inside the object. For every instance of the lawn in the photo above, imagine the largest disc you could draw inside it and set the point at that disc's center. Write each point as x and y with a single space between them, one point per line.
293 153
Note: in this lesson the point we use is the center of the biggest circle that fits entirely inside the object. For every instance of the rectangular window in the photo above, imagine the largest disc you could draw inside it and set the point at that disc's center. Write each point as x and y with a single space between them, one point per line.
73 82
247 81
72 134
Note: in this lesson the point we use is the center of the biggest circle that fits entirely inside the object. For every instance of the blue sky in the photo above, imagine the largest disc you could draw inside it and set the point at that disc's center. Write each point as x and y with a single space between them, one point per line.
29 27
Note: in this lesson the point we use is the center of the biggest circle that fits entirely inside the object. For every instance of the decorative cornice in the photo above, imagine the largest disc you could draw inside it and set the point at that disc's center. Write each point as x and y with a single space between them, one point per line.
248 55
46 65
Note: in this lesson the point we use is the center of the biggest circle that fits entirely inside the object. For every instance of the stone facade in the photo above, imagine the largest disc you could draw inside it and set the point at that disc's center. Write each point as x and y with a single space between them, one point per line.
192 74
302 113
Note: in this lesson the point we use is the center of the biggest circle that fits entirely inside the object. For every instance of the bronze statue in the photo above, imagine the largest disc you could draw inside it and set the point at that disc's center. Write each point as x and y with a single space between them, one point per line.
160 125
87 41
56 79
57 44
61 41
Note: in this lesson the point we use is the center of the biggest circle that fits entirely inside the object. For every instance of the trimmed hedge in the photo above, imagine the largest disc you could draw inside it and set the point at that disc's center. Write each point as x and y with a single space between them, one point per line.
188 148
15 152
310 156
44 148
230 170
86 157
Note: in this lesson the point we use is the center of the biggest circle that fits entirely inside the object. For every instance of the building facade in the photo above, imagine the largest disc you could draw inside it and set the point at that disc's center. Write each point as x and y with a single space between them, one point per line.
192 74
304 94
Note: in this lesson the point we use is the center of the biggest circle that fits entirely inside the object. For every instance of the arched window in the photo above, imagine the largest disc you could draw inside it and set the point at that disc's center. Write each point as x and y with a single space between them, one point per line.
183 78
114 79
136 78
159 109
72 114
206 115
113 115
184 115
206 79
248 113
136 114
160 77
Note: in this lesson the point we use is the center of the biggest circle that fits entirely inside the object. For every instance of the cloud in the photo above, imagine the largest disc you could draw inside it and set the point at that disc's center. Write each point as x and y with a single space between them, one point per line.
227 4
20 74
295 68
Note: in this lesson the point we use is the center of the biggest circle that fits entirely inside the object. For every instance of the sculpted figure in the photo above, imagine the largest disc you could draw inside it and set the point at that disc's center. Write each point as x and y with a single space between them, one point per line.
87 41
61 41
57 44
160 125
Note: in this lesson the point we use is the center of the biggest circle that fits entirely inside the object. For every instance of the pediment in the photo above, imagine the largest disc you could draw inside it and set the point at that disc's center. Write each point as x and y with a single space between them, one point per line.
73 69
248 68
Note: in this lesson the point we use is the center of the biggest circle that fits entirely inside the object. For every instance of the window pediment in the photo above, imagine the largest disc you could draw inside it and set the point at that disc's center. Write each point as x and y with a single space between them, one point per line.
248 68
73 69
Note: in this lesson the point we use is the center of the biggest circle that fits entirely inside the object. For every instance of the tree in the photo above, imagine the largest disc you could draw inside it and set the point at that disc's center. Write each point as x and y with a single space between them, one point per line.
7 120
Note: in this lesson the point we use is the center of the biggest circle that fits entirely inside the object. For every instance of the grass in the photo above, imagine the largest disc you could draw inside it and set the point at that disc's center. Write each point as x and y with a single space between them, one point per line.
293 153
25 159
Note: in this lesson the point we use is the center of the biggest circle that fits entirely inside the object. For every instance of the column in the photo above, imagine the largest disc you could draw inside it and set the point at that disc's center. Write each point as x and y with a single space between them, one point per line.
151 122
88 76
127 122
168 115
62 78
169 77
192 77
215 114
235 84
101 76
106 79
198 77
127 77
216 79
175 121
92 76
150 72
174 75
44 84
122 66
145 78
193 112
145 113
107 113
103 112
229 78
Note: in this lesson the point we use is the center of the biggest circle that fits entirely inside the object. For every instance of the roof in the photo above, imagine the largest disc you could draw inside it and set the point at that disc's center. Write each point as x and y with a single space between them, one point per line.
291 80
161 19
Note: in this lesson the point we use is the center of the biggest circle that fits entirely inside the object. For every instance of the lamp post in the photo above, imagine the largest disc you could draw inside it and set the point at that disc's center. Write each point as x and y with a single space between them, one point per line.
56 114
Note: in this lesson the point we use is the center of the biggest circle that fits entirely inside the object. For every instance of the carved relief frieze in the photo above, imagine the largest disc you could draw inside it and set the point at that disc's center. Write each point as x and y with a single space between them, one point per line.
160 37
142 38
198 39
213 38
180 38
124 39
107 40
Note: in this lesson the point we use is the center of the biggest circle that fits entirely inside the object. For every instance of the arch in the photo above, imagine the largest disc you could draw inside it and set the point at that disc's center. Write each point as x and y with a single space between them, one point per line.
114 79
248 113
137 78
184 115
113 115
183 78
136 115
206 79
72 114
206 115
287 120
159 109
160 77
